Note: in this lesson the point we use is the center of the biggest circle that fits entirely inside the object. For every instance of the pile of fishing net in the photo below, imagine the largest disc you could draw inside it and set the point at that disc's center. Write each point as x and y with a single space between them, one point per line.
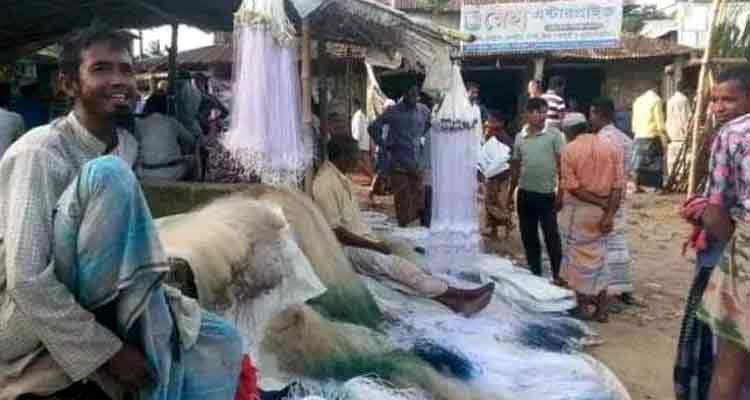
268 261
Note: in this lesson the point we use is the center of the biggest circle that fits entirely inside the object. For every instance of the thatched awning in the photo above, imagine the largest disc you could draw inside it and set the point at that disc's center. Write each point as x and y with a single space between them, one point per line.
32 24
223 54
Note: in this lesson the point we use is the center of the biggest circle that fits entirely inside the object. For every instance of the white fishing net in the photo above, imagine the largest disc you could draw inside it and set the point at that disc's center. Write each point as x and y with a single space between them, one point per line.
361 388
454 236
266 134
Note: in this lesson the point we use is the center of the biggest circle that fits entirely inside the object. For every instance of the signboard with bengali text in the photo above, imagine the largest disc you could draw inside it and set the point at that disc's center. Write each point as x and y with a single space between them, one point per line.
542 26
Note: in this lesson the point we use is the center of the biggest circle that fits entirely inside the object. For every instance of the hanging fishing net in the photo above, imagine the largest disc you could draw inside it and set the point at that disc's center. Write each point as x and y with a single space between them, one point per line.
454 235
266 133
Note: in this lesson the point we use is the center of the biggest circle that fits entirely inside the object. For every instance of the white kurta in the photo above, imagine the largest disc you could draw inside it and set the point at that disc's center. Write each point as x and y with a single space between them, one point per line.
36 310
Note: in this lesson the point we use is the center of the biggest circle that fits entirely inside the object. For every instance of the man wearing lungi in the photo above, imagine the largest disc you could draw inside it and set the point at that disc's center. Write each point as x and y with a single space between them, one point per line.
592 180
602 113
408 123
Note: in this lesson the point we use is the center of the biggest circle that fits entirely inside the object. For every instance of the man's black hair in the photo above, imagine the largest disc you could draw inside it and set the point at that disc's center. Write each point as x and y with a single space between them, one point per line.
604 106
156 103
577 129
29 91
75 44
342 147
498 115
536 104
557 83
740 75
4 94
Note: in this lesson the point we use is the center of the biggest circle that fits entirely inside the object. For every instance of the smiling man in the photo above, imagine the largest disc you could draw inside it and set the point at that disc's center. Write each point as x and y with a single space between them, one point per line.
81 267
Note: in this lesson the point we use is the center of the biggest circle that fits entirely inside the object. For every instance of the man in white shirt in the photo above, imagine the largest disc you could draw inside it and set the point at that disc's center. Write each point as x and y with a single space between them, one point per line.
167 148
359 133
555 102
11 124
679 112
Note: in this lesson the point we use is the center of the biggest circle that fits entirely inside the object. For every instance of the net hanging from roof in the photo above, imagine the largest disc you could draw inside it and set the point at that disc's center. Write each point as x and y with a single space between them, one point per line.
266 134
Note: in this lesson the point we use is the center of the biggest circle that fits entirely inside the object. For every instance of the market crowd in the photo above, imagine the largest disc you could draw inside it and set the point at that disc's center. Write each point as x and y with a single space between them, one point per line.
80 279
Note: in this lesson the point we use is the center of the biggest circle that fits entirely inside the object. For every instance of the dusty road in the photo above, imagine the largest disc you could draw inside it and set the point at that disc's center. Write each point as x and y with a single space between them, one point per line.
639 343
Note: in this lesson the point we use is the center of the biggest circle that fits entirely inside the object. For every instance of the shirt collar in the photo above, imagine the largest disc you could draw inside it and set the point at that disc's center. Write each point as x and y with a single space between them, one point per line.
608 127
86 138
736 120
525 131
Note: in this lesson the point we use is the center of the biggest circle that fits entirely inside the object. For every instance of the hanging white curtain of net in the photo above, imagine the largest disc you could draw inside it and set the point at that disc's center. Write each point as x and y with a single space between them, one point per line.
266 134
454 233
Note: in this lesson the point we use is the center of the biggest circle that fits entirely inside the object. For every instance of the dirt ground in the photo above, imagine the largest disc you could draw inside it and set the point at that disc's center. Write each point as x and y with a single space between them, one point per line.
639 343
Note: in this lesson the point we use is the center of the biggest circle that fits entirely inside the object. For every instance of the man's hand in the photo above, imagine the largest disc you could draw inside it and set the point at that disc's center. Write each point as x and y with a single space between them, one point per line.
607 224
129 368
558 203
718 223
383 248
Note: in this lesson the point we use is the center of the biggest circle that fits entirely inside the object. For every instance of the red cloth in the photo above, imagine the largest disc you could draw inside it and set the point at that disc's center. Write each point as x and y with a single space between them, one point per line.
692 212
248 387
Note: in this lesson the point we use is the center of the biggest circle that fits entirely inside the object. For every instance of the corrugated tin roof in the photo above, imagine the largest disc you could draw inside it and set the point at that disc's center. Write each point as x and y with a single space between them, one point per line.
631 47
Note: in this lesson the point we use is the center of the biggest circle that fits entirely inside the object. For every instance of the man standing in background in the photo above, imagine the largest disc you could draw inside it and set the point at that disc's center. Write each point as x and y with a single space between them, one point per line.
408 122
476 101
536 164
679 112
534 89
11 124
555 102
650 139
359 133
618 259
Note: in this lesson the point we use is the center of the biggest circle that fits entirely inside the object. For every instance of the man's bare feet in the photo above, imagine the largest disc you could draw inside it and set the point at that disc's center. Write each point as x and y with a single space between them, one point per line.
467 302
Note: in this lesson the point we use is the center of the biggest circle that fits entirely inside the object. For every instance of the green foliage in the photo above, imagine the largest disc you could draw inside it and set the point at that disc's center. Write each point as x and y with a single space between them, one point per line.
635 17
731 40
434 5
392 366
352 304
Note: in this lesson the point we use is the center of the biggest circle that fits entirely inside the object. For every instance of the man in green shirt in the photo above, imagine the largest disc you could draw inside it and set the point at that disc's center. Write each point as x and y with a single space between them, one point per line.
536 165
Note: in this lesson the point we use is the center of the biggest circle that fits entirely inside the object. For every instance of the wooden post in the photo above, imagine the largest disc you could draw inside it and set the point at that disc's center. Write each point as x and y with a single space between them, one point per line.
701 101
349 96
323 97
172 77
306 78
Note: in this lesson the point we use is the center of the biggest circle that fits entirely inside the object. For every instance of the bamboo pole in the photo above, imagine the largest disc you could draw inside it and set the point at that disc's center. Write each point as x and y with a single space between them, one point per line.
323 98
306 78
701 101
172 77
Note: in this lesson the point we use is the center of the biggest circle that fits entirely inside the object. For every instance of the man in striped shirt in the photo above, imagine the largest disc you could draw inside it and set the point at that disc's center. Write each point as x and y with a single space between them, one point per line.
555 102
